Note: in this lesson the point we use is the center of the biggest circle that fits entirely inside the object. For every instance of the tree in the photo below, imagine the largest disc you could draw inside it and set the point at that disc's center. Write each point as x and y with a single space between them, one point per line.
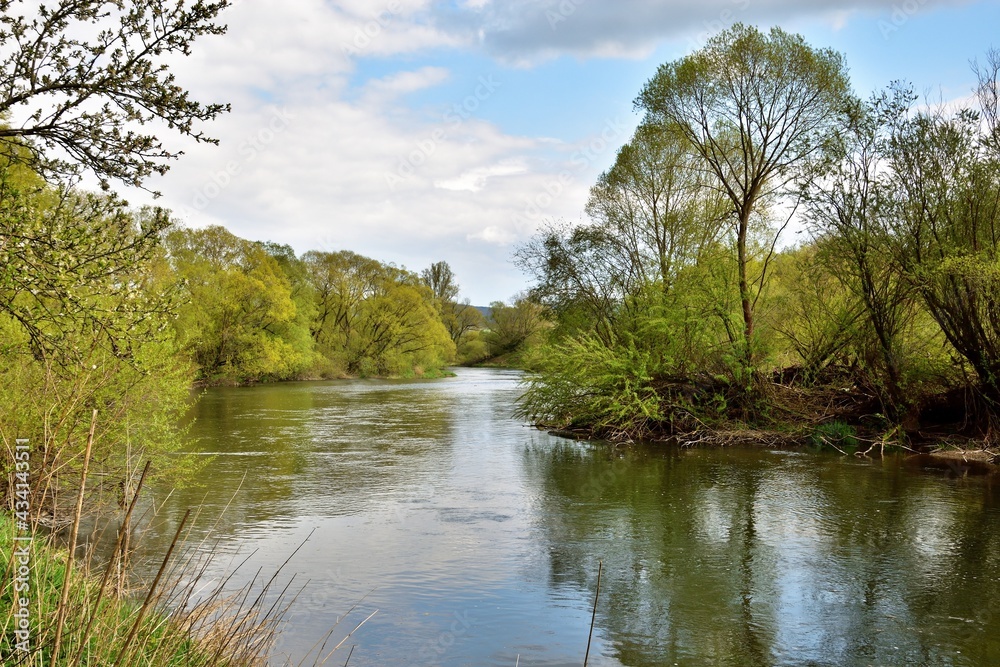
813 308
374 318
398 329
988 94
79 77
755 108
655 206
441 280
65 255
85 305
513 326
579 276
651 215
84 324
945 183
849 210
240 321
460 319
341 281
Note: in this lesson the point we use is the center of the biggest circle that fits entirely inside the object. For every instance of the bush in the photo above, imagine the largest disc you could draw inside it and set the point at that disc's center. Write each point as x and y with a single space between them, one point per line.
835 434
221 628
583 382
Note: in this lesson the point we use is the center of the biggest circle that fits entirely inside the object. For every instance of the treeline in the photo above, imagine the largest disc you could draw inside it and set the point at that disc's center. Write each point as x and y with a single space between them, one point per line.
249 311
237 310
106 308
679 304
254 311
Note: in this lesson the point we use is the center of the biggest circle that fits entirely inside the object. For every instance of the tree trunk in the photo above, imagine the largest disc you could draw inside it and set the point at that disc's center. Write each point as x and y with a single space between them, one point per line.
745 300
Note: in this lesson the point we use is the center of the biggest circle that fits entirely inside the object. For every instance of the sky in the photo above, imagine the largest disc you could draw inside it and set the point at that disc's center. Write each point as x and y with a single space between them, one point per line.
414 131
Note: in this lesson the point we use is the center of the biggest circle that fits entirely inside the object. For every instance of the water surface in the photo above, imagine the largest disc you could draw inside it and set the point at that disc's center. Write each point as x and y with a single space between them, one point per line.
478 538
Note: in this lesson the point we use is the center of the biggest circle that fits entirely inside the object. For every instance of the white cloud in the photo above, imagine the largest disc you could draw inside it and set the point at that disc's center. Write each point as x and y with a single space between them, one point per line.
525 31
385 90
475 180
311 157
495 235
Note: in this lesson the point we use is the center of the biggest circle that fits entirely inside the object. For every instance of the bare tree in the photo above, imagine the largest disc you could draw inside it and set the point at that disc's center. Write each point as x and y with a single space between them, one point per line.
848 208
654 204
946 220
988 92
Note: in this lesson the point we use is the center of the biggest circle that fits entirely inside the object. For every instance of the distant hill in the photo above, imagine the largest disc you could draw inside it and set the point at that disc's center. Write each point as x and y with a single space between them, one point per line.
486 311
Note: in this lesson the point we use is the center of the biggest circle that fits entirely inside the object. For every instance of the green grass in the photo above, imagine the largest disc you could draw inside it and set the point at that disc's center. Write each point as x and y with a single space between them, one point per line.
200 635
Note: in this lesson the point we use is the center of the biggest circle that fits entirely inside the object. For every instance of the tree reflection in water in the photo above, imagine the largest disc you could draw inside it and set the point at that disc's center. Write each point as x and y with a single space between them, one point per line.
741 557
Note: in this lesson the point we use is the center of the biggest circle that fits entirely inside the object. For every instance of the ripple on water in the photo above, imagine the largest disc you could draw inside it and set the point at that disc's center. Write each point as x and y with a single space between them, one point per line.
478 539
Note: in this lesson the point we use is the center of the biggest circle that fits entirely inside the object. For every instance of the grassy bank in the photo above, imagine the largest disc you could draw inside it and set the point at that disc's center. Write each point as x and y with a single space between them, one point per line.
160 626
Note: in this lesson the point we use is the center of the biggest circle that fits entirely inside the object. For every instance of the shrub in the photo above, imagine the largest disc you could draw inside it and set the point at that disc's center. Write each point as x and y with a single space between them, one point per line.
835 434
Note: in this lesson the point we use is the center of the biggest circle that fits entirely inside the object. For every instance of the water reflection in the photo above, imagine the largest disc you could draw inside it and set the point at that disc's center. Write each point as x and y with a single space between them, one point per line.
478 538
757 558
315 448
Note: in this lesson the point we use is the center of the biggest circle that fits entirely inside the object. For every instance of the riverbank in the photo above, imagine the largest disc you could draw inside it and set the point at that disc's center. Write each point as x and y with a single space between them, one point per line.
413 374
784 413
162 627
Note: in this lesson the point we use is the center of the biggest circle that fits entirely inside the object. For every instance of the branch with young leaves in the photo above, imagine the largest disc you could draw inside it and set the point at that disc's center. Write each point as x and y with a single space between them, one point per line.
81 79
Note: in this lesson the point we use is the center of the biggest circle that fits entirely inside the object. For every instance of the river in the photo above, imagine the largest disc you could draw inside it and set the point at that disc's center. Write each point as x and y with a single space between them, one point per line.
478 538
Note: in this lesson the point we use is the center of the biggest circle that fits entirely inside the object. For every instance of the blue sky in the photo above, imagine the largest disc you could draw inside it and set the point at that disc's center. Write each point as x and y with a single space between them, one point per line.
413 131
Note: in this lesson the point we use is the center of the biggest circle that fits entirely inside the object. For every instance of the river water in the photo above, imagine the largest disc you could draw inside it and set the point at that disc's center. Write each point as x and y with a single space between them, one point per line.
478 538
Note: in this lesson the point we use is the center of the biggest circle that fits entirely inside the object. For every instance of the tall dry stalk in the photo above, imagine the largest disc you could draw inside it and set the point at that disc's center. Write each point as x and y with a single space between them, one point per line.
593 615
152 588
85 637
64 598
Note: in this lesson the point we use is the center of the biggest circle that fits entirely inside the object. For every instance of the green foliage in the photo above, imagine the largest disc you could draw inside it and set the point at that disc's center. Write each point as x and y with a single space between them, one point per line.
174 629
513 329
71 261
835 434
256 312
440 278
715 99
240 320
88 75
812 316
472 347
583 382
84 327
894 296
945 182
373 318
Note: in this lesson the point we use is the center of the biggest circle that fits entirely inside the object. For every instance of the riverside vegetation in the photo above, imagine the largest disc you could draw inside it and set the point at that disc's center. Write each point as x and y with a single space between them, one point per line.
109 315
681 311
672 310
